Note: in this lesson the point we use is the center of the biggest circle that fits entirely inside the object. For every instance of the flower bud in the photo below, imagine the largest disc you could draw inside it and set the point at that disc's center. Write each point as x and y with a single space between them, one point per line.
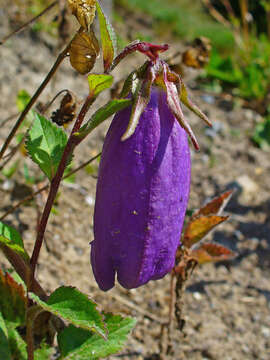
141 199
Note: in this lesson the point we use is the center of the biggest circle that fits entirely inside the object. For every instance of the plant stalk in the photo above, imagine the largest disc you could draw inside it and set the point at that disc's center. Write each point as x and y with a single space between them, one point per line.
72 142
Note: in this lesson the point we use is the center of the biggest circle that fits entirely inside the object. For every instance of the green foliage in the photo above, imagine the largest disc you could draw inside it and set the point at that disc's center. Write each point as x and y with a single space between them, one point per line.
108 38
261 134
9 237
76 308
246 71
99 83
77 343
10 171
45 145
4 347
183 18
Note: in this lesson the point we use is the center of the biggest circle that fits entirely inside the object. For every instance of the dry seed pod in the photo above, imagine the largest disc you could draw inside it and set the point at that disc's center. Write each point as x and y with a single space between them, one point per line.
84 11
67 111
197 56
83 52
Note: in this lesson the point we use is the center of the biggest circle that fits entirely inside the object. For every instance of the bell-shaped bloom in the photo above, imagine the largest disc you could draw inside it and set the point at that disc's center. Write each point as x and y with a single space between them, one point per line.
141 199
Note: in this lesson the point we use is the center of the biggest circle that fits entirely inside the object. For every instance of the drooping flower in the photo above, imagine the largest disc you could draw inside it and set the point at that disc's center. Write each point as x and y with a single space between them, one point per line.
143 186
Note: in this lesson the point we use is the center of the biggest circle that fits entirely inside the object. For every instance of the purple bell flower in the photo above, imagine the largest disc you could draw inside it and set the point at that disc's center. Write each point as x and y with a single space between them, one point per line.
144 177
142 195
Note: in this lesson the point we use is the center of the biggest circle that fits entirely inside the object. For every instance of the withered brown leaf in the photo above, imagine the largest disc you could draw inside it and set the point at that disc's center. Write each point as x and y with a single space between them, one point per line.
211 252
67 110
83 52
199 227
84 11
197 56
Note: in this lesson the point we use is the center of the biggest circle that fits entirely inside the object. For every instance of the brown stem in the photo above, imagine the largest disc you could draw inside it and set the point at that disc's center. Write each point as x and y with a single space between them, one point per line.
29 334
244 11
30 197
21 28
72 142
55 66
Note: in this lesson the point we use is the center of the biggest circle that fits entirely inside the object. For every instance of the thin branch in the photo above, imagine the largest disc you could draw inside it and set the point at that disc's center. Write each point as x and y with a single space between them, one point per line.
21 28
34 98
9 118
216 15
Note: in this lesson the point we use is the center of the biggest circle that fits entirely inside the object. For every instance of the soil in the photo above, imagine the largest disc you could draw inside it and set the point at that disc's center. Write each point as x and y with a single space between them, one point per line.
226 305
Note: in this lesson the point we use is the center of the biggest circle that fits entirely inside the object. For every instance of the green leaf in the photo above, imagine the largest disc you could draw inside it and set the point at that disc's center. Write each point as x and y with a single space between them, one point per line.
98 83
8 172
108 38
77 343
75 307
12 239
4 347
102 114
45 145
261 134
22 100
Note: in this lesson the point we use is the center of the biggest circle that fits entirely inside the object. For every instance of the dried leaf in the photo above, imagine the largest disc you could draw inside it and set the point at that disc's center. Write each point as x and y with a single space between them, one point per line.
211 252
215 206
83 52
199 227
197 56
67 110
84 11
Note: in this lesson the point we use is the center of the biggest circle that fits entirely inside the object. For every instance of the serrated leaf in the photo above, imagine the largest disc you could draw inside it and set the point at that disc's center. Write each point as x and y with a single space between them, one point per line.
108 38
77 343
215 206
211 252
199 227
45 145
12 299
83 52
9 237
75 307
98 83
4 346
102 114
84 11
